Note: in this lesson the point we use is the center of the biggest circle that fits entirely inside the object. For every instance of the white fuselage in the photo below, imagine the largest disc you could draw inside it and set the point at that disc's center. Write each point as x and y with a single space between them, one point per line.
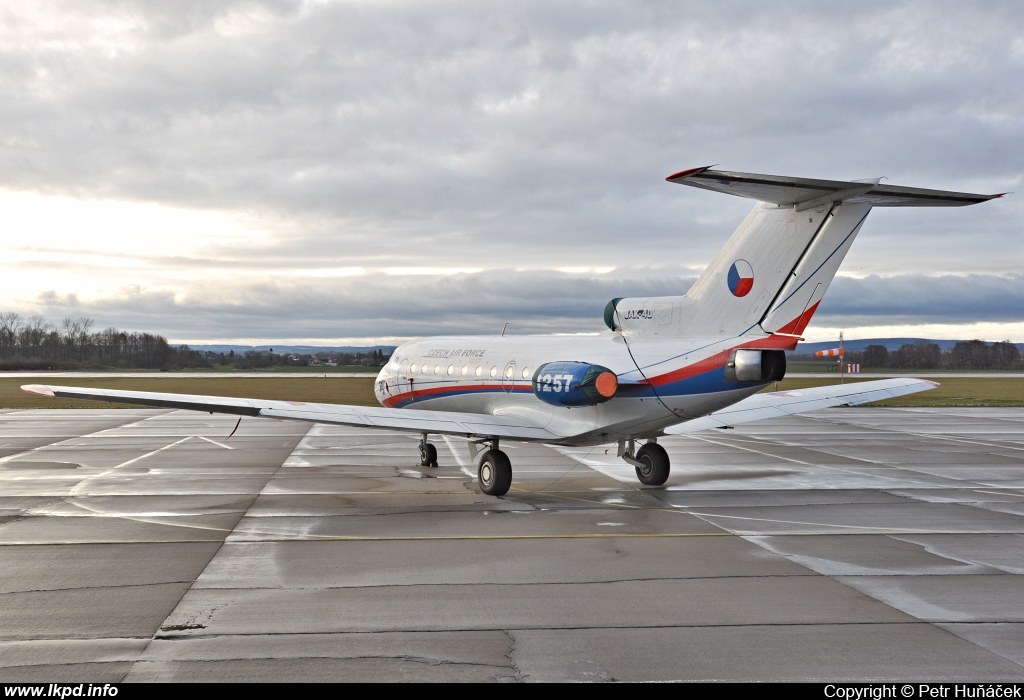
661 381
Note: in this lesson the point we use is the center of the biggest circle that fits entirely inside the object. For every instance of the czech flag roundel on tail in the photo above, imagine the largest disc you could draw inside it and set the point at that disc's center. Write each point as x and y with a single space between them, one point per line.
741 278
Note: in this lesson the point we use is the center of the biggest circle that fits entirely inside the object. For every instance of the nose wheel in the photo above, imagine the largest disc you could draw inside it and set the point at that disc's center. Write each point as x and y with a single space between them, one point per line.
495 473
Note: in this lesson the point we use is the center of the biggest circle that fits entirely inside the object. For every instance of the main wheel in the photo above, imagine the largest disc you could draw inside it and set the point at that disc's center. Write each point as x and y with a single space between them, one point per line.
495 473
428 455
654 471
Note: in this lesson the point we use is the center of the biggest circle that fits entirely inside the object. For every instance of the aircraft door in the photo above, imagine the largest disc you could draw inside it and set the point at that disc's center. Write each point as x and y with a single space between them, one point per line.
508 377
403 377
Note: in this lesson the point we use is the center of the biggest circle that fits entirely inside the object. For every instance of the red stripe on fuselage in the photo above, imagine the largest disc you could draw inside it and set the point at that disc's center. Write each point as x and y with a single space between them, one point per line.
719 360
437 391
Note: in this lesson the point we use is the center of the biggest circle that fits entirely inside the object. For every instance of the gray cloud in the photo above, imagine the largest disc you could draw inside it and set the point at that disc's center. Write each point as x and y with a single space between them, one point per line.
533 301
907 299
523 134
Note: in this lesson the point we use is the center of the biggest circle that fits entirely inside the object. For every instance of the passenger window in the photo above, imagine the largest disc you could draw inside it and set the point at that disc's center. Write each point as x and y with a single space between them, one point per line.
451 369
510 370
526 372
465 370
412 368
479 370
494 371
437 369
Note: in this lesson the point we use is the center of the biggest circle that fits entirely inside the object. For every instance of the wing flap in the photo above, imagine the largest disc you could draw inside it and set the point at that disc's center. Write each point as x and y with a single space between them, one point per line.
786 403
407 420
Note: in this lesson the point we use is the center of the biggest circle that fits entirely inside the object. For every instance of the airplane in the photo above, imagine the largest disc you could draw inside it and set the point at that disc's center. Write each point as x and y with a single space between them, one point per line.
665 366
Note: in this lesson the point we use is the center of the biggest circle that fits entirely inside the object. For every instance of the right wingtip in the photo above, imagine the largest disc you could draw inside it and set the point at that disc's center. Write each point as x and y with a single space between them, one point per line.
39 389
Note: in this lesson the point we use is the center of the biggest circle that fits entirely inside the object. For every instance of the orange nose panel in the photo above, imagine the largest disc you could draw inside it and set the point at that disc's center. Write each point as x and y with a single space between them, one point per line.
606 384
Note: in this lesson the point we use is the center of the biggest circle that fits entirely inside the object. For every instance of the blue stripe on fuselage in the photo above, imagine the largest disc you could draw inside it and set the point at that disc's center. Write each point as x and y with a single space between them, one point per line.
710 382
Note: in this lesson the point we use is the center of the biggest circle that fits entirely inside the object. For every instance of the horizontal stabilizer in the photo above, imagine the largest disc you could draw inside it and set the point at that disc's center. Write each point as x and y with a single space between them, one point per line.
807 193
787 403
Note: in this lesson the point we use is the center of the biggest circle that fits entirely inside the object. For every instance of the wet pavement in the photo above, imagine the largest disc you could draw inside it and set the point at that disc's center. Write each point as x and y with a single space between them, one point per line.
847 544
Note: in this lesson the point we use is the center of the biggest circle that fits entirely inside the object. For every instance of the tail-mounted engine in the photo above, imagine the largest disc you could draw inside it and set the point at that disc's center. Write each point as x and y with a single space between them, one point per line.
756 366
574 384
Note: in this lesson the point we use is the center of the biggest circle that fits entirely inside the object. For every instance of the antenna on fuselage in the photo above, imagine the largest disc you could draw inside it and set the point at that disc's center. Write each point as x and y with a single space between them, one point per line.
503 329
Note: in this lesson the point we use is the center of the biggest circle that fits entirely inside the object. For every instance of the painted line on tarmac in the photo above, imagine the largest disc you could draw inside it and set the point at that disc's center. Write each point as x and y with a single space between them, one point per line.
444 538
1000 493
858 529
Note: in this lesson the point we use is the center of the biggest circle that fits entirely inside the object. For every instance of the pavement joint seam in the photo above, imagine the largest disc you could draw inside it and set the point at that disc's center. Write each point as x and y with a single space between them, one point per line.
213 555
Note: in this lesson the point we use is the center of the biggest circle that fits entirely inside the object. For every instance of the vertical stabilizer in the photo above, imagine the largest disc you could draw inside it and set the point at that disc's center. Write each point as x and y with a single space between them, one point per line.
798 299
742 283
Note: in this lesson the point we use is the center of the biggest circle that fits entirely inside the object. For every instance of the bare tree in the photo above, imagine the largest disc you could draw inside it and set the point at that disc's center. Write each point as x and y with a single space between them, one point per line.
10 324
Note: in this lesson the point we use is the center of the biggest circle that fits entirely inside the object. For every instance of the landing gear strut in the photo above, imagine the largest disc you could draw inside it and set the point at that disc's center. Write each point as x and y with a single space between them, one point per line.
428 453
651 462
495 471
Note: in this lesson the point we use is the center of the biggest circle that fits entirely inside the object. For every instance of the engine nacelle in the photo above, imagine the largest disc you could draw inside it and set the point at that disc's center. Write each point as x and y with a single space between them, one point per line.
756 366
572 384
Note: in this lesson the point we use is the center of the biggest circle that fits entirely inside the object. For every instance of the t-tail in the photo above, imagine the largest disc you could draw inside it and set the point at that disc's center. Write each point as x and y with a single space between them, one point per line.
773 271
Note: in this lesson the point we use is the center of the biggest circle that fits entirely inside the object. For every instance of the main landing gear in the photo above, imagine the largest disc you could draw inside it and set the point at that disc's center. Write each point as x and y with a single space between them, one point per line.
428 453
495 471
651 462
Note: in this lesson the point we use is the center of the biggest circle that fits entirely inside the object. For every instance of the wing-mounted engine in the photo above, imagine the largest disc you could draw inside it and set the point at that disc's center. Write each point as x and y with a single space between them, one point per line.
747 365
572 384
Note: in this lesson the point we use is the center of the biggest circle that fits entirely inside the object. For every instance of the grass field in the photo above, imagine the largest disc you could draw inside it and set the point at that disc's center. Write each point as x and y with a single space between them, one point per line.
966 391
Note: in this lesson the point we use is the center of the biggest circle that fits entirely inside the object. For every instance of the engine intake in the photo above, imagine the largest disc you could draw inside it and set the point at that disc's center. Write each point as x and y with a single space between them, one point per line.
756 366
572 384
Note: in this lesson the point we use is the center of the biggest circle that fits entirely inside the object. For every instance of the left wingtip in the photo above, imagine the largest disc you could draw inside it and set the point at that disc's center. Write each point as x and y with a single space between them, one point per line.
682 174
39 389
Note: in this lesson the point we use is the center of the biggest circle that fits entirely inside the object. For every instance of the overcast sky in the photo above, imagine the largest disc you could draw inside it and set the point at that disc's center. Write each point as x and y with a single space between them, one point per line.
347 172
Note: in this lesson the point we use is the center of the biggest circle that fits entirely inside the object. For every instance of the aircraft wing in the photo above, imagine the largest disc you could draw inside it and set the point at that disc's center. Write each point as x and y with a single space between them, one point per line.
786 403
406 420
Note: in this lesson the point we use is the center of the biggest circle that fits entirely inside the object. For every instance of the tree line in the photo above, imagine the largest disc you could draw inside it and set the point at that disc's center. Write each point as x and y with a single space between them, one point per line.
34 343
965 355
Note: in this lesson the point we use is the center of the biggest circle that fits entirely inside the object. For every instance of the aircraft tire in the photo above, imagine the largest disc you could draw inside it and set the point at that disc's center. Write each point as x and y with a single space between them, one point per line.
495 473
428 455
656 464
